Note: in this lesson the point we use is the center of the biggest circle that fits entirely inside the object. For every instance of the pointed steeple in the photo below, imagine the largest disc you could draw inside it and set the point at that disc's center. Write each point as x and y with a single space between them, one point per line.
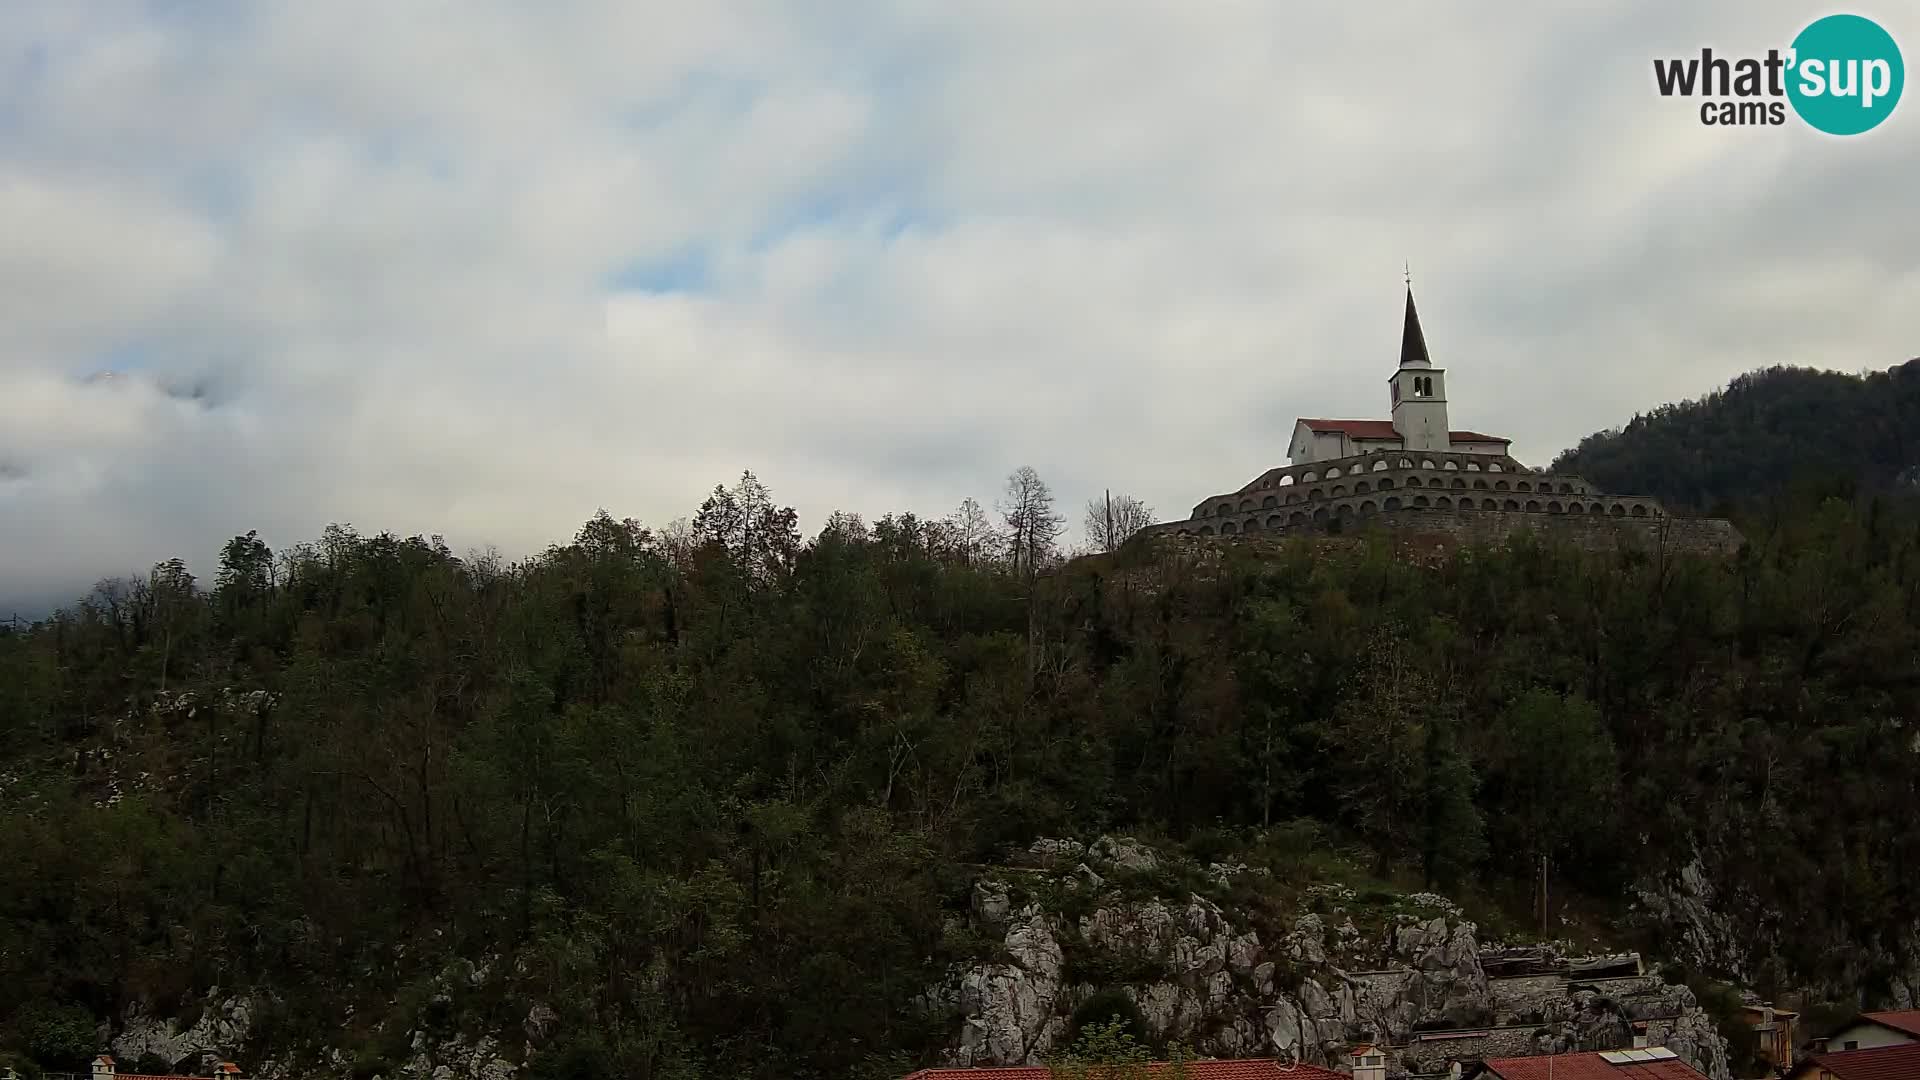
1413 343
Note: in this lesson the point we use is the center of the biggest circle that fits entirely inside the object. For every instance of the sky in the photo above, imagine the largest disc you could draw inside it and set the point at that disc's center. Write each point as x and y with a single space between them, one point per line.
478 269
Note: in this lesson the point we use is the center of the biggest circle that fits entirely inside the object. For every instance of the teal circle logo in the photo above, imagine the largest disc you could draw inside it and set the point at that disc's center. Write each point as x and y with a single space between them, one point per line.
1846 74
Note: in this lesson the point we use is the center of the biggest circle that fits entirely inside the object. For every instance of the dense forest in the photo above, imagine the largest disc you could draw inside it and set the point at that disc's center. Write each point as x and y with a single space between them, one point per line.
710 789
1767 434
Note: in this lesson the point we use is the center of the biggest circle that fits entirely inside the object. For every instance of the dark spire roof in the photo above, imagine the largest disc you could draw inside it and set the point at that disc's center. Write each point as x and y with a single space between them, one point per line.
1413 343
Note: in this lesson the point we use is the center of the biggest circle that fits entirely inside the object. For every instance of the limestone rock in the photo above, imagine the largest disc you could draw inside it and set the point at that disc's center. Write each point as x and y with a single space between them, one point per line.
222 1028
991 900
1052 851
540 1023
1010 1008
1125 853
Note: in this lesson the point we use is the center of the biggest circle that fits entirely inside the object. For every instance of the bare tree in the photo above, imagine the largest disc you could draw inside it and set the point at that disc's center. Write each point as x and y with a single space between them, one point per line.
1032 525
972 533
1113 519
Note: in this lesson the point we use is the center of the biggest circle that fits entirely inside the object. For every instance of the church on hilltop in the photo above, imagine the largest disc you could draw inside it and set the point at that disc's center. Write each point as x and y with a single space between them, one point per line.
1415 473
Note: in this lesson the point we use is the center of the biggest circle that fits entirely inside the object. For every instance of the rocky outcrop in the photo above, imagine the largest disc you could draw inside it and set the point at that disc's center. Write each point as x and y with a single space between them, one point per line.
1012 1007
223 1026
1199 976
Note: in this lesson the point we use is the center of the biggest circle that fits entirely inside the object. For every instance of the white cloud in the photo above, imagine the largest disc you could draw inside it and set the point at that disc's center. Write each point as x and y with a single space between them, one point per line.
399 251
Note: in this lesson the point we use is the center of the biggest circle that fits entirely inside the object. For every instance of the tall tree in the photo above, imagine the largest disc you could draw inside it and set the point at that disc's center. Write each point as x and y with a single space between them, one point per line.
1111 520
1032 526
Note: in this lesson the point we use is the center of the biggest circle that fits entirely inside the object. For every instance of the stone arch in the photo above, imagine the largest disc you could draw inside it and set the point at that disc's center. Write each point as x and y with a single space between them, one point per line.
1639 510
1523 486
1206 530
1576 508
1427 464
1317 493
1320 515
1406 463
1480 485
1473 466
1385 484
1228 528
1269 501
1617 510
1252 524
1533 506
1420 501
1333 472
1443 503
1450 466
1596 508
1380 466
1494 466
1285 481
1413 481
1566 489
1298 517
1338 491
1224 508
1344 510
1362 488
1510 504
1246 504
1554 507
1489 504
1367 508
1308 477
1294 497
1500 485
1393 502
1459 483
1275 521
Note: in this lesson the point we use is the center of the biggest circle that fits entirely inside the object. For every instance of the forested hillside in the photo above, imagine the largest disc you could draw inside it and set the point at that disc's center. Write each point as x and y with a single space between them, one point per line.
1767 434
707 792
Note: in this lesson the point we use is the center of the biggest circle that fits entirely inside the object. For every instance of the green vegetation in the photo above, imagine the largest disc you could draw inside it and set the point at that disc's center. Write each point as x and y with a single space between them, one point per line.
708 793
1110 1051
1769 436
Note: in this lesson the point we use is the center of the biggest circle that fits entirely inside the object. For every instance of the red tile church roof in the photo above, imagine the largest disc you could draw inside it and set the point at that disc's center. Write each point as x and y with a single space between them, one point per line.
1383 429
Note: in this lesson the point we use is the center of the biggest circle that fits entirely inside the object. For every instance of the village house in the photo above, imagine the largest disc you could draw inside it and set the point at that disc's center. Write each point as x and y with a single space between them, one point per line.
1252 1069
1875 1029
1900 1061
1652 1063
1777 1031
105 1069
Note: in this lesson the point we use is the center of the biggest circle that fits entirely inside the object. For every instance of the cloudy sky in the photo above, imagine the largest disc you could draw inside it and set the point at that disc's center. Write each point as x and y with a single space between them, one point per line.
479 268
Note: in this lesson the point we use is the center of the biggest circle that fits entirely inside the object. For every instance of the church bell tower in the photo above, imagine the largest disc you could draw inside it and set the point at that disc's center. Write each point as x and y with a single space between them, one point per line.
1419 390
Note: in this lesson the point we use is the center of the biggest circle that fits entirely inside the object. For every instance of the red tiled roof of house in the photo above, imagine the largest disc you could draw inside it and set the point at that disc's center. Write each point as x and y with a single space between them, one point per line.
1588 1066
1906 1020
1364 430
1258 1069
1900 1062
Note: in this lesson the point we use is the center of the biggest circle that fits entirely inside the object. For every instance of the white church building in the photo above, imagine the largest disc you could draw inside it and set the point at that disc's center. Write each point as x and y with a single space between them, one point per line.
1412 471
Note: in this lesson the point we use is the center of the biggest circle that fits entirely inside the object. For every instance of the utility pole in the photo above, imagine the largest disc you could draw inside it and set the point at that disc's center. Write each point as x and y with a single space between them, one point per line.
1108 539
1543 896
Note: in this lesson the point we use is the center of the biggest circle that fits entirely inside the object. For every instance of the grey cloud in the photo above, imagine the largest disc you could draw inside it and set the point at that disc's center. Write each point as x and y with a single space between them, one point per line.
363 271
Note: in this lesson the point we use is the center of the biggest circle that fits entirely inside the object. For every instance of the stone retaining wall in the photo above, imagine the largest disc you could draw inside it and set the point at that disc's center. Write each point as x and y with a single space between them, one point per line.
1715 536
